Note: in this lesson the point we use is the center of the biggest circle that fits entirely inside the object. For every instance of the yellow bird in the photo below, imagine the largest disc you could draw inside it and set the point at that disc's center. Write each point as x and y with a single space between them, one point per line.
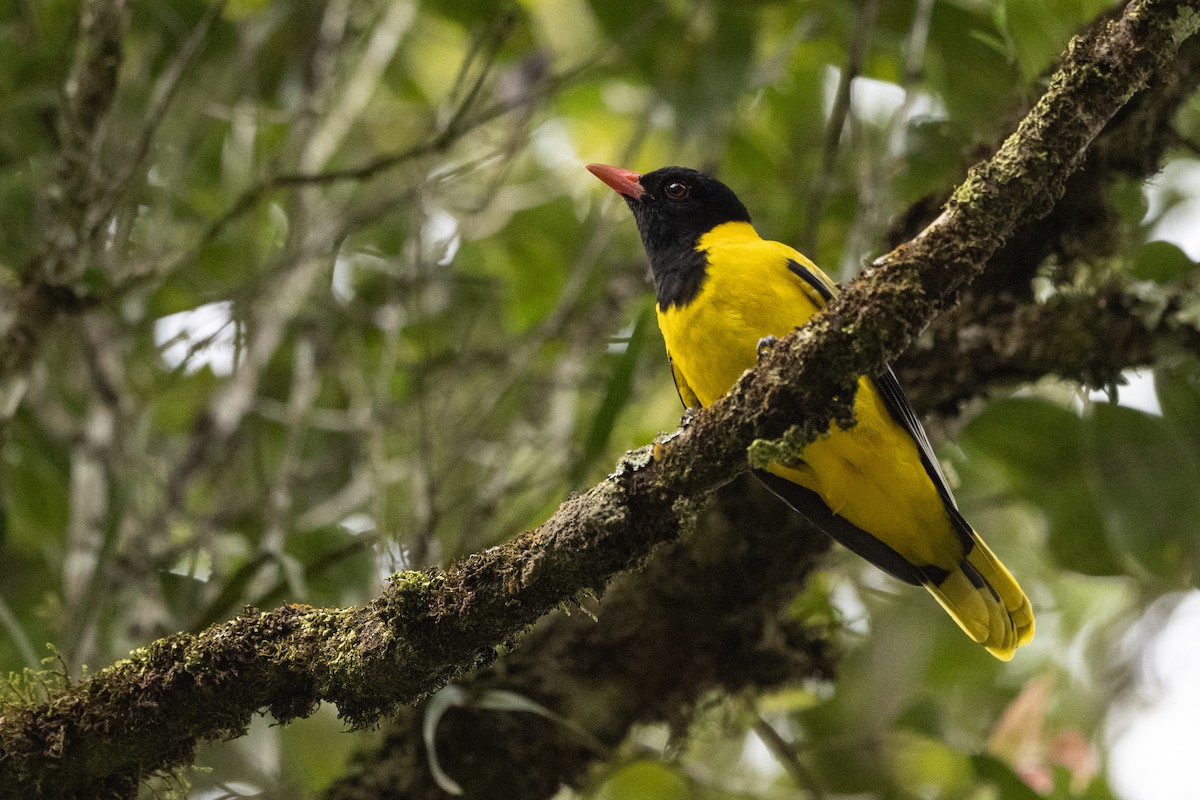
875 487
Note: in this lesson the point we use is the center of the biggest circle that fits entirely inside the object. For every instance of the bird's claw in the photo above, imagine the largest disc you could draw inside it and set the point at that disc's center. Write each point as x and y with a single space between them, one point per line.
764 345
663 439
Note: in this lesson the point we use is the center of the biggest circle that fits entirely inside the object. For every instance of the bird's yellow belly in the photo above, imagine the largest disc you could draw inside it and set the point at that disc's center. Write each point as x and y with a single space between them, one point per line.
870 474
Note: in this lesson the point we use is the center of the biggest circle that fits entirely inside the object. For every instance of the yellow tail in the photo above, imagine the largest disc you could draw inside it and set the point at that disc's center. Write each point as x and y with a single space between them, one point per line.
987 603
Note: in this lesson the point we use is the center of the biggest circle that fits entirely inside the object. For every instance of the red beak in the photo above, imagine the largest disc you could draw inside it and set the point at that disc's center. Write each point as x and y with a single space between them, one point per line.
622 181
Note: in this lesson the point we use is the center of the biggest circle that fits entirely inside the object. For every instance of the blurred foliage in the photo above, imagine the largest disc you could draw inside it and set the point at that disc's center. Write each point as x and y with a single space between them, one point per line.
358 308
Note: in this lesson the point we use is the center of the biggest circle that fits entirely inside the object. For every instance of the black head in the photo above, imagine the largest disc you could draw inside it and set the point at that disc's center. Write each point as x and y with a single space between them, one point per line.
674 207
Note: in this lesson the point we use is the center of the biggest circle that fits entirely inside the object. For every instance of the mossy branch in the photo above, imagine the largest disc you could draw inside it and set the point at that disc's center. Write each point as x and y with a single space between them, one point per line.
147 713
609 675
1086 337
707 614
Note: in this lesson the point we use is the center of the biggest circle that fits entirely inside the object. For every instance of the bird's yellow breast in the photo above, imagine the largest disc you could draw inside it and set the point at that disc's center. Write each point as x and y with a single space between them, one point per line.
748 293
871 474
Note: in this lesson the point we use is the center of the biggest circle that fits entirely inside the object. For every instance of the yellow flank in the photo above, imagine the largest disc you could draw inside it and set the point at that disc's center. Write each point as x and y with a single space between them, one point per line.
872 474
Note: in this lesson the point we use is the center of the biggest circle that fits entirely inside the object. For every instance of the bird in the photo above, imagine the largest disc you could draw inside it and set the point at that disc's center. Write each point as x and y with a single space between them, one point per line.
876 487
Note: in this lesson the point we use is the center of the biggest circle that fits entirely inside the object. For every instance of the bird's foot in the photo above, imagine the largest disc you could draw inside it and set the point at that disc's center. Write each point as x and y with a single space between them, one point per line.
689 414
663 439
764 346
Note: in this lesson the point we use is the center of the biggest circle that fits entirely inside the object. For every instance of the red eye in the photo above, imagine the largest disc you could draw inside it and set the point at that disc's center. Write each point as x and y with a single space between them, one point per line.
677 190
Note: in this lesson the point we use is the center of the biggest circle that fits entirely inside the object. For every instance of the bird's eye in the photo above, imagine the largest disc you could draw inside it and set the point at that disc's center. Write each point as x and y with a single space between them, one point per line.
677 190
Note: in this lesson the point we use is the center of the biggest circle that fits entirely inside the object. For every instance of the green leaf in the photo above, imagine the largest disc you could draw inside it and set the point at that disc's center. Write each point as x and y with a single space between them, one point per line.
504 700
452 696
1178 390
181 592
315 753
1098 789
530 267
928 761
617 392
181 398
966 41
645 780
231 595
1031 438
614 16
36 480
1039 448
1008 784
1037 30
1145 482
1161 262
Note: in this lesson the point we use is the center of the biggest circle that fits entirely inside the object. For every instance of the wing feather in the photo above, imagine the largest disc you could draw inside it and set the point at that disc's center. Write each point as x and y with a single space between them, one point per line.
686 395
900 410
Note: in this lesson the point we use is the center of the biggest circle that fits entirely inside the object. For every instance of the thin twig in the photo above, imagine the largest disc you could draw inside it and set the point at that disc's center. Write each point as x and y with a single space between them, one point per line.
372 168
788 757
823 181
164 92
353 97
878 164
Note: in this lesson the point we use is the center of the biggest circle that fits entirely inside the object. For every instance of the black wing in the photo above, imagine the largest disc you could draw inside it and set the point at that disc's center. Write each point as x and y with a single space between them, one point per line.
686 395
902 412
813 508
893 396
810 504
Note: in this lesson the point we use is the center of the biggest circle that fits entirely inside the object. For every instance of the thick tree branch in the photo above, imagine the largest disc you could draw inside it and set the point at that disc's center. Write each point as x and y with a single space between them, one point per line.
708 613
1090 338
1000 334
1082 230
720 590
147 712
989 340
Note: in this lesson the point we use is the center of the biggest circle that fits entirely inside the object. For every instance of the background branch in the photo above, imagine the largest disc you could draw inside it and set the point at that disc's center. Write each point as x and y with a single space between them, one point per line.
47 287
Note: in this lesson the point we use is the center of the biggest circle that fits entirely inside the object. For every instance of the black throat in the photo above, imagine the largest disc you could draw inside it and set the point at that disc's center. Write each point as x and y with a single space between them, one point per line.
679 271
677 207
